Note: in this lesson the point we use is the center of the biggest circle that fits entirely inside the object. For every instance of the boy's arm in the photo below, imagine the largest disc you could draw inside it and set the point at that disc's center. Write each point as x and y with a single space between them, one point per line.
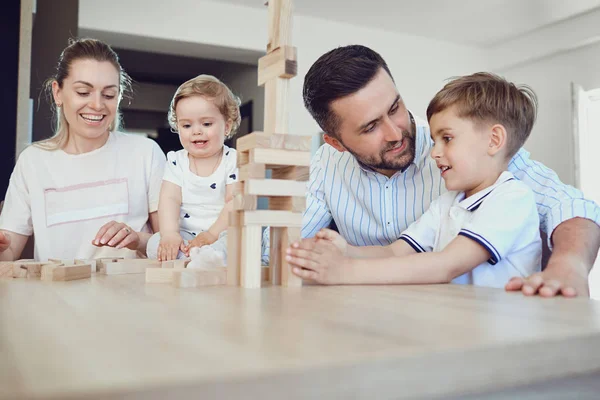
327 265
212 235
399 248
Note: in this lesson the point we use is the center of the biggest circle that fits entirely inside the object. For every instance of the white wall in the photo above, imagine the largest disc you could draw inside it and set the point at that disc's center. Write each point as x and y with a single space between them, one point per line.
551 141
419 65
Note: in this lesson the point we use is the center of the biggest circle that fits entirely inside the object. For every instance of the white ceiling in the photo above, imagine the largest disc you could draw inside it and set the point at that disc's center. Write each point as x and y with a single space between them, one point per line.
469 22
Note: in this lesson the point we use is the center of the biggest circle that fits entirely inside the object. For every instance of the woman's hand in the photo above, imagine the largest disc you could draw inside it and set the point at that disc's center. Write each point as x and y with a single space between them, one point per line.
118 235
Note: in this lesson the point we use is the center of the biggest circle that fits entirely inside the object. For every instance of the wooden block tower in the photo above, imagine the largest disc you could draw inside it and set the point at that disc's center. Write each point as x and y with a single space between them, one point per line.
288 158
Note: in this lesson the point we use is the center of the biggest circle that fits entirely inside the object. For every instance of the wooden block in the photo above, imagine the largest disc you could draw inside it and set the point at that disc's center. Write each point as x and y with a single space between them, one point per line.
281 141
276 106
275 158
6 269
56 272
280 63
301 174
159 275
251 270
193 278
131 266
280 24
274 187
287 236
242 202
176 264
265 273
101 262
234 237
293 204
92 263
271 218
27 269
69 261
252 171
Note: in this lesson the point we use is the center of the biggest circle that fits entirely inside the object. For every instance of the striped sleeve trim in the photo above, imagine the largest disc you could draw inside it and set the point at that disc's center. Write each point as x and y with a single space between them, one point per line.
494 254
413 243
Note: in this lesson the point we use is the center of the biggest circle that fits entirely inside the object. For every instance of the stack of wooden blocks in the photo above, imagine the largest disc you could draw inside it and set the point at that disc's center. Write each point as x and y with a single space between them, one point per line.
288 158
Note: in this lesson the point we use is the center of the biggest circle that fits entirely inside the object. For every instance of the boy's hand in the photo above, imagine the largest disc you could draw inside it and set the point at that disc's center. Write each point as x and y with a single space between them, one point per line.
169 246
318 260
335 238
203 239
4 242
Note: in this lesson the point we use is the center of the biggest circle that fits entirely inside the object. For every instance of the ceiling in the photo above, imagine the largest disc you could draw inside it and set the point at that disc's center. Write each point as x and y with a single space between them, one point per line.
469 22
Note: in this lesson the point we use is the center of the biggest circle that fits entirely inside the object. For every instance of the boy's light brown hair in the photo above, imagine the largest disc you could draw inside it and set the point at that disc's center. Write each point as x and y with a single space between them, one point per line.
488 98
211 89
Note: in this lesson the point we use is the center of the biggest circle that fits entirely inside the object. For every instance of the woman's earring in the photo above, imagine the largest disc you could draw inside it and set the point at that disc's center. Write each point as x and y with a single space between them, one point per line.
58 104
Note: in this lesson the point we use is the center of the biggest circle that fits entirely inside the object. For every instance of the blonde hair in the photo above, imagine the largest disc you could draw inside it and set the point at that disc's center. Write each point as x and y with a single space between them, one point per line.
486 97
214 90
80 49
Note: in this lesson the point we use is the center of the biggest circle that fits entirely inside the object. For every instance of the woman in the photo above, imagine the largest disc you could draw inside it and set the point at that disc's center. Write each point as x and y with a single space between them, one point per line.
89 191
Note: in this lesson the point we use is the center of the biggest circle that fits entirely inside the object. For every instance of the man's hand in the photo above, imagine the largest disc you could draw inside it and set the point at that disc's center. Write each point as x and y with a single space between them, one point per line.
318 260
4 242
203 239
335 238
562 276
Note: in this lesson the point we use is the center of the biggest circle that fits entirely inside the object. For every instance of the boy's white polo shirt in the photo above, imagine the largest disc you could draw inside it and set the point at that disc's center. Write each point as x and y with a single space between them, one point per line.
502 218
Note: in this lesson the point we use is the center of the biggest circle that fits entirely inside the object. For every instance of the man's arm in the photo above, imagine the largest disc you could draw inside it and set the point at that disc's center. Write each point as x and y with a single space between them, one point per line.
571 223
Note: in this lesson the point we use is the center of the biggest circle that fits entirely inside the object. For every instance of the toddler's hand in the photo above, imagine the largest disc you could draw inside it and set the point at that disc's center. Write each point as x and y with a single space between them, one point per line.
203 239
169 246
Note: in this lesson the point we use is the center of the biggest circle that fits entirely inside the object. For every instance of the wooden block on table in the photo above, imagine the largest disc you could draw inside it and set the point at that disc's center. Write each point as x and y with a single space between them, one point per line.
130 266
281 141
6 269
274 158
280 23
175 264
159 275
250 267
92 263
27 269
280 63
287 237
101 262
191 278
56 272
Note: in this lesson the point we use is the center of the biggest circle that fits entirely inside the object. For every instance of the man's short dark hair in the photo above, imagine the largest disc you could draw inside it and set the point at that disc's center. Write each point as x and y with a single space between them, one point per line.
336 74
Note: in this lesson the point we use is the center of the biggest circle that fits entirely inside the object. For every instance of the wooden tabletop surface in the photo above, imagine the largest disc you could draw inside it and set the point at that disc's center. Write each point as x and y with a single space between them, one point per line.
111 336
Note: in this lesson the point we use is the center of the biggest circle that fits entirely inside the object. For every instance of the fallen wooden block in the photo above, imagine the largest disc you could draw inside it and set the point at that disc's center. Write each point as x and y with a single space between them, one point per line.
159 275
129 266
6 269
57 272
176 264
101 262
27 269
91 263
191 278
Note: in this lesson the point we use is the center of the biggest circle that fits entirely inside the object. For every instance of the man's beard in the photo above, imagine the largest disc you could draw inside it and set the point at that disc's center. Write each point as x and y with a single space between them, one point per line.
381 162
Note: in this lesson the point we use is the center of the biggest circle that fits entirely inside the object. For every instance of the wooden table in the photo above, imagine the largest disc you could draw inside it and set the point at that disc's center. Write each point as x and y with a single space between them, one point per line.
113 336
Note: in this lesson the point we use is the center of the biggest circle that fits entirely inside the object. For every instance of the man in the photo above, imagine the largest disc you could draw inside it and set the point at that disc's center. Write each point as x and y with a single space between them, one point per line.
374 176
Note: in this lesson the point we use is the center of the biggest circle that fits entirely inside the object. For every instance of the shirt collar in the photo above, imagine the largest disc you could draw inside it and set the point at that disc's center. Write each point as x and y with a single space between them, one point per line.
473 202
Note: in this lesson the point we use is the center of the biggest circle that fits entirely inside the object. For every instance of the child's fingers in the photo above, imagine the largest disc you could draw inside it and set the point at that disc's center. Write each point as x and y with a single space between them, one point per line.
515 283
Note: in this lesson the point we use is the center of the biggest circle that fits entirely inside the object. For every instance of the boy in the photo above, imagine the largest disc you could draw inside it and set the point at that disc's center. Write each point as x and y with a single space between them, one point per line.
483 231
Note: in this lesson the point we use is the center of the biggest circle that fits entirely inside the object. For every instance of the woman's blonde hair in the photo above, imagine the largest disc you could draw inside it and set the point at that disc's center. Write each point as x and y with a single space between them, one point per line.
80 49
214 90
